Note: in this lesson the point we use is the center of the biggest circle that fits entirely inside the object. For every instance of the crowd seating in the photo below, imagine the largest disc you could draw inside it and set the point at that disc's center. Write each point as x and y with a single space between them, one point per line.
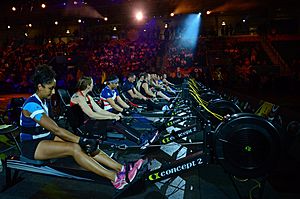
234 60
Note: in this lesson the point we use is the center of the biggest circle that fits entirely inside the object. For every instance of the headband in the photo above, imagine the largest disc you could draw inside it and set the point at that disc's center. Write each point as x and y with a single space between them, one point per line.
114 81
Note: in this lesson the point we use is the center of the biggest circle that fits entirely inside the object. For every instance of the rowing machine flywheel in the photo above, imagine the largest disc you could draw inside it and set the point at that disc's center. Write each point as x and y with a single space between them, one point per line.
209 96
222 107
247 145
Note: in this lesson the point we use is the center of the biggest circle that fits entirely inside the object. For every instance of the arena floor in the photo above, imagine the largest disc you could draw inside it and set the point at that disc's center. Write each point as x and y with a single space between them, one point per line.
209 182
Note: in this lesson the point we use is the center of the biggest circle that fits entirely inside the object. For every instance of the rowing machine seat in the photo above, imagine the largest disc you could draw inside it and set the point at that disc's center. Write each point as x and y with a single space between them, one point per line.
33 162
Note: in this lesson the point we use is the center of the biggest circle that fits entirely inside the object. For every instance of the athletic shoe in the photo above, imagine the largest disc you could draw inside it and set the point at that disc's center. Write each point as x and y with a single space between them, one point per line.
138 164
120 182
132 174
132 171
123 170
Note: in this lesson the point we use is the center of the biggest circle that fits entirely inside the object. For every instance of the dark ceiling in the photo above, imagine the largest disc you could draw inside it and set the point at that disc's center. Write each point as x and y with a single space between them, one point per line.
117 10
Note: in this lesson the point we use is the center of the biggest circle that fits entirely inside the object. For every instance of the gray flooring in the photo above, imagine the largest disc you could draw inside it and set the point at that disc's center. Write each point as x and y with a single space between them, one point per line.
208 182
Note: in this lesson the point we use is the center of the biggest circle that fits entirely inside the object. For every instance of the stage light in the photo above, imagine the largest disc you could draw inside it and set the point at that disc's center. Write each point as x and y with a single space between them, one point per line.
105 18
8 27
13 8
172 14
190 33
223 23
75 2
166 26
208 12
145 30
139 16
56 22
244 20
199 14
26 35
115 28
79 21
30 25
43 5
68 31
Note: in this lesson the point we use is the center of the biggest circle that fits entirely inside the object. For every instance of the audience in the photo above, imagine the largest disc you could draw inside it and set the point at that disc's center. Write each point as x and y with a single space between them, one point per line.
244 65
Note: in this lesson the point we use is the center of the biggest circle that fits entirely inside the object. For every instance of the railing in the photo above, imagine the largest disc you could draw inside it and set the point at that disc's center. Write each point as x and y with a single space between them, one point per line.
275 56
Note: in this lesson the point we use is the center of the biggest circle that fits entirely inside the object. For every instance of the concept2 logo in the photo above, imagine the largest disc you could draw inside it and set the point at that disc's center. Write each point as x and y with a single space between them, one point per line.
166 173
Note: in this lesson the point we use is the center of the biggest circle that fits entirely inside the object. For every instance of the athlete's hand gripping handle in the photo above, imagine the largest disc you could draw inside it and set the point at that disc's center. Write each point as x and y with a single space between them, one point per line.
90 146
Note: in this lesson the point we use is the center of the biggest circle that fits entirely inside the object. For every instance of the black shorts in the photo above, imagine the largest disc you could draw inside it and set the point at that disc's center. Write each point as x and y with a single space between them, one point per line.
28 147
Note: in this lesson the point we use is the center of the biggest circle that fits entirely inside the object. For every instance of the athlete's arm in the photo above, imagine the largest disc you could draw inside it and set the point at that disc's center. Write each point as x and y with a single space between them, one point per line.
43 120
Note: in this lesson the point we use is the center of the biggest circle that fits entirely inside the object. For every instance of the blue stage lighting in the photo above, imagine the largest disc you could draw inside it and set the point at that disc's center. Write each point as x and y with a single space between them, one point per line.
190 33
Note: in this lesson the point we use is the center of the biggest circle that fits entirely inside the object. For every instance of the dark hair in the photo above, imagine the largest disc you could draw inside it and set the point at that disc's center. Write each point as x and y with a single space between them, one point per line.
143 75
112 78
131 75
84 82
44 74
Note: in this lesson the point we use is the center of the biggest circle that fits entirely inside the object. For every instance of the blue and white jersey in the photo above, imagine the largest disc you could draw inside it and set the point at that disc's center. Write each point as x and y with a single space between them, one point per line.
108 93
30 129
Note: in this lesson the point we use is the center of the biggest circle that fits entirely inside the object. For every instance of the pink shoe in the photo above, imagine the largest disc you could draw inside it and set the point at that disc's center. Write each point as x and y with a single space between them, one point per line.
138 164
132 173
132 170
124 168
120 182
